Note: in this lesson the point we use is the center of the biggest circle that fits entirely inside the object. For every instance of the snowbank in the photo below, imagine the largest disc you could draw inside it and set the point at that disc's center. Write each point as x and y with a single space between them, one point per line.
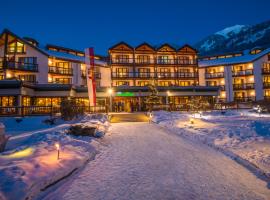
33 165
243 135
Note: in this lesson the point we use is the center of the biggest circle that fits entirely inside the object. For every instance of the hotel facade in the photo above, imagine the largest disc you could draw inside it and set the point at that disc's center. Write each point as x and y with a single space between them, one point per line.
242 76
35 75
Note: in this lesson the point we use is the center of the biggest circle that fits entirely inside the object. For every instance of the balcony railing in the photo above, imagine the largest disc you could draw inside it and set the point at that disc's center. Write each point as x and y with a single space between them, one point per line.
244 99
60 70
265 70
130 61
215 75
267 98
246 86
266 84
19 66
158 75
243 72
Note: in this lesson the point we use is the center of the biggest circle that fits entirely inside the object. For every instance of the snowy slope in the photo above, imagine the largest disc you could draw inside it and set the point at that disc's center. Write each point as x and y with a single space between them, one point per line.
235 38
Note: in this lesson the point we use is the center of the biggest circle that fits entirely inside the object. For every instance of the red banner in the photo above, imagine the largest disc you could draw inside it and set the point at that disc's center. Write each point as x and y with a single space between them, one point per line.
90 74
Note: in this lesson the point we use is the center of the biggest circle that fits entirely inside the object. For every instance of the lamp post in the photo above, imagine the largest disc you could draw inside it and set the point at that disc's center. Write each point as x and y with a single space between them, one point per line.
57 145
110 91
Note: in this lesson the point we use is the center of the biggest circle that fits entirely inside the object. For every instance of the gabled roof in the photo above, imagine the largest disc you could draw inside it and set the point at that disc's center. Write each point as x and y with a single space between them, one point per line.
234 60
186 45
166 44
145 44
121 43
6 31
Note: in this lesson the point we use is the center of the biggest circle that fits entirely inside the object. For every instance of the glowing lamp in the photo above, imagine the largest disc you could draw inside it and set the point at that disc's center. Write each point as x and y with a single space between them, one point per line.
110 91
57 146
8 75
191 120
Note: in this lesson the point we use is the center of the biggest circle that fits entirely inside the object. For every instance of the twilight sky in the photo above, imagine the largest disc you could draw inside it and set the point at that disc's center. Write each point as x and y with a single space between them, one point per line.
102 23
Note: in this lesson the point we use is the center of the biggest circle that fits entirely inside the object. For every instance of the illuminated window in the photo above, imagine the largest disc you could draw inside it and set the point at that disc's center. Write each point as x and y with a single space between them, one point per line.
163 59
16 47
122 58
143 83
122 72
120 83
143 59
164 83
184 83
28 78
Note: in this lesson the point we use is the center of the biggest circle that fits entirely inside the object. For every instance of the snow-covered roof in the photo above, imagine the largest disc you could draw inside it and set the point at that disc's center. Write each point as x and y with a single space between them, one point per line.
246 57
68 56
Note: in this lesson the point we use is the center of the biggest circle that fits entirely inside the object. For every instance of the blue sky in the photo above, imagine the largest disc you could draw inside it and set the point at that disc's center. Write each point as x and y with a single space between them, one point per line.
80 24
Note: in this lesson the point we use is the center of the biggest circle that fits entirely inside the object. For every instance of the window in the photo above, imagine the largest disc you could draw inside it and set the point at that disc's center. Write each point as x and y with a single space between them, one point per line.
184 83
28 78
163 59
211 83
143 59
143 83
122 72
164 83
65 65
164 72
144 72
62 81
7 101
183 60
120 83
16 47
266 79
122 59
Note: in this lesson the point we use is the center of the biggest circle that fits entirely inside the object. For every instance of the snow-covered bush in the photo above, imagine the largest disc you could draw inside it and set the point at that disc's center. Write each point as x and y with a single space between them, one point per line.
3 138
82 130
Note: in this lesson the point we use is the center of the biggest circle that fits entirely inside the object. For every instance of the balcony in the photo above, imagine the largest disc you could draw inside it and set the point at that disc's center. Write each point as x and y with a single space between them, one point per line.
97 75
246 86
130 61
243 72
215 75
267 98
266 85
61 70
265 70
158 75
244 99
123 61
19 66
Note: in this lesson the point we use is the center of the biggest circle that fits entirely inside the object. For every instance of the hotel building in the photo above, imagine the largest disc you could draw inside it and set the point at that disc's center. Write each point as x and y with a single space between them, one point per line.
242 76
32 74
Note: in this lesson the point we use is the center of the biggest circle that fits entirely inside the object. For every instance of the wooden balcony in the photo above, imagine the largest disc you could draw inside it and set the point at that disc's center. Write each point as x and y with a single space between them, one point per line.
265 70
214 75
60 70
266 85
245 86
131 61
247 72
154 75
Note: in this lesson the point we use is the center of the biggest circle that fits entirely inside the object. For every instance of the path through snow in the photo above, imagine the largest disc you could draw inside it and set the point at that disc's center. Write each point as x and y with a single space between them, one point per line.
143 161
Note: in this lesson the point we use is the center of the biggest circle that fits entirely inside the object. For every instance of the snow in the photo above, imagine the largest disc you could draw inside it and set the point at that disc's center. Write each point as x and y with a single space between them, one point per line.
145 161
30 164
233 60
231 30
243 135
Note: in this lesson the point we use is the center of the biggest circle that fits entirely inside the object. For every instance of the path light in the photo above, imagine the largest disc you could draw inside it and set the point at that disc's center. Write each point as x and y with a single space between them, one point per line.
191 120
150 117
57 146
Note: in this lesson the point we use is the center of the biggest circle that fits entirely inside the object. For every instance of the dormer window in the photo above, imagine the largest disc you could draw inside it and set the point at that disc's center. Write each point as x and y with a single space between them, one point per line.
255 51
16 47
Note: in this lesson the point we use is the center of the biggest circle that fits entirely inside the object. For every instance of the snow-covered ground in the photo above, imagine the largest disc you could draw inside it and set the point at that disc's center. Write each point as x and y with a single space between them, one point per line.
30 163
241 134
144 161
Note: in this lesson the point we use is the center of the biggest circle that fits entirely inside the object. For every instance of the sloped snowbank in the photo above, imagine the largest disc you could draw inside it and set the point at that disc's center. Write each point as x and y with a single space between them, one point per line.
33 165
242 135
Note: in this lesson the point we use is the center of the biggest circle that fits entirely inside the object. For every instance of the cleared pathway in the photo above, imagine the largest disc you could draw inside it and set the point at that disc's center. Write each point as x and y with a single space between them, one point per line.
143 161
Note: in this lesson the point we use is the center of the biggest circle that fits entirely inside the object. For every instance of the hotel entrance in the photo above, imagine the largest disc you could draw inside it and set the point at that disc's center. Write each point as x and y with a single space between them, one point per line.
127 104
